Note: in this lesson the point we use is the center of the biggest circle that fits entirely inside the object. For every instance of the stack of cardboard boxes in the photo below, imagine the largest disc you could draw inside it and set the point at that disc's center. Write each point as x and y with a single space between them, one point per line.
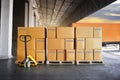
35 47
67 34
60 44
88 43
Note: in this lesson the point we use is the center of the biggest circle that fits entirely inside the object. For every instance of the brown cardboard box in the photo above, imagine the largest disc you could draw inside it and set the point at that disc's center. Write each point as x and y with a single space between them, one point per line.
79 55
70 55
20 44
22 31
31 44
40 44
97 32
31 53
97 54
55 43
69 44
84 32
51 56
36 32
80 43
65 32
51 32
93 43
88 54
40 55
20 55
61 55
97 43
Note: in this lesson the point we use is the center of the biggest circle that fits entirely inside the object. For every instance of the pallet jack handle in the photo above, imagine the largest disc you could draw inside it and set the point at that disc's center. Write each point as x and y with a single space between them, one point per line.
25 38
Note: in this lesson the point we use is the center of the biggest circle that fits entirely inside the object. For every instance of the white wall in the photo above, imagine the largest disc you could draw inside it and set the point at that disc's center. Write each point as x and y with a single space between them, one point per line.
6 29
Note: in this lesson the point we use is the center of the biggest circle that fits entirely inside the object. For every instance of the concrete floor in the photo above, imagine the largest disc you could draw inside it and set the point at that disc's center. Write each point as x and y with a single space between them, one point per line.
109 71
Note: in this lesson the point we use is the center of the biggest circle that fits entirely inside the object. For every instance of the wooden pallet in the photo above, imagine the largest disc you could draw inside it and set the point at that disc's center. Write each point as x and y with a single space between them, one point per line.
67 62
60 62
52 62
21 63
83 62
97 62
41 62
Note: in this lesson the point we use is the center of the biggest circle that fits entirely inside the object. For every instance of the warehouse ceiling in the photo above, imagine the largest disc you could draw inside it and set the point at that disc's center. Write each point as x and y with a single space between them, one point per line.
65 12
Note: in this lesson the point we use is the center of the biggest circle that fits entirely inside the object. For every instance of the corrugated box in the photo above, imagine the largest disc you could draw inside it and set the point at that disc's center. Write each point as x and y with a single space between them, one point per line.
31 53
36 32
97 54
55 43
65 32
40 55
40 44
97 32
80 43
79 55
88 54
69 44
93 43
20 55
70 55
51 32
31 44
22 31
84 32
51 56
20 44
61 55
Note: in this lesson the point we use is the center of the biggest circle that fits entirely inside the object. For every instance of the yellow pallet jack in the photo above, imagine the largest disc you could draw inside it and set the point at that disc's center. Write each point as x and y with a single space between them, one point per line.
28 58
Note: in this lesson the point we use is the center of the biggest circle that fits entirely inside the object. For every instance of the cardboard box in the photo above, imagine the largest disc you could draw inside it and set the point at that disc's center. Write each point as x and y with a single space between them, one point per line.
70 55
40 44
69 44
38 32
84 32
20 44
51 56
55 43
97 54
31 53
21 54
65 32
93 43
88 54
40 55
97 43
79 55
80 43
61 55
51 32
97 32
31 44
22 31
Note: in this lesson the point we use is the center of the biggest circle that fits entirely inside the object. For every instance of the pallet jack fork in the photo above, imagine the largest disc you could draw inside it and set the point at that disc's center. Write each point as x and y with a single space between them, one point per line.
28 58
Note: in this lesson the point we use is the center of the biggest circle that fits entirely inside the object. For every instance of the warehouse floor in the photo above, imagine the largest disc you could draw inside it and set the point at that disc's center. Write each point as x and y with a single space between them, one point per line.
109 71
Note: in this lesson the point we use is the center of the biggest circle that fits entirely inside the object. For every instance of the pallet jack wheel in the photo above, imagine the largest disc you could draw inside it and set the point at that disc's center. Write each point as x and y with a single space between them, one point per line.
27 64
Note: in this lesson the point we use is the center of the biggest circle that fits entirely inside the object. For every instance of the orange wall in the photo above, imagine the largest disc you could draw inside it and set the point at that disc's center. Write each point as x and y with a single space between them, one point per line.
111 31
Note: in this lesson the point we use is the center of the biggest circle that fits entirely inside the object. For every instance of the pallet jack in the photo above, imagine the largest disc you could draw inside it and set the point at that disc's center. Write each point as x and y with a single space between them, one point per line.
28 58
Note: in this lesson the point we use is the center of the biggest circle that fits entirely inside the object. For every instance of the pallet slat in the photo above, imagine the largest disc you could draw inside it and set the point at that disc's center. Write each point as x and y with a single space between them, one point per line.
60 62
